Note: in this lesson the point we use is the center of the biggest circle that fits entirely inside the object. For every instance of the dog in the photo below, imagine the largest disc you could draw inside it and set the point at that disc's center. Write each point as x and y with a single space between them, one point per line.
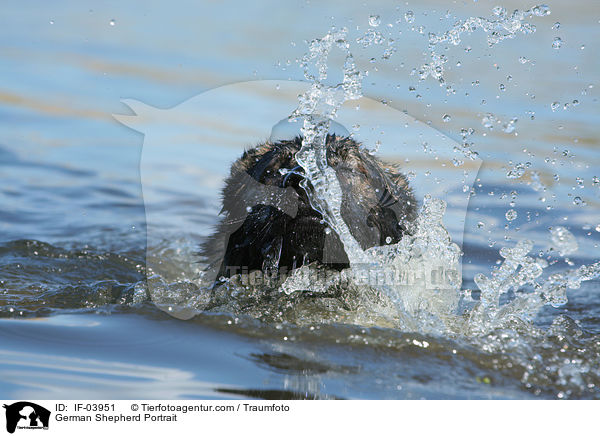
269 223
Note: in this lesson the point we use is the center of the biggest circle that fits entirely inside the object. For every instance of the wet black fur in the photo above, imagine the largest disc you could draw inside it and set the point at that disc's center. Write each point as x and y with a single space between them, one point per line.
260 232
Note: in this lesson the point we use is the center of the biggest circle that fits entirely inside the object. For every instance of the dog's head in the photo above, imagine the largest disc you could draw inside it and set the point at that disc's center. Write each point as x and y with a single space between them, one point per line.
270 221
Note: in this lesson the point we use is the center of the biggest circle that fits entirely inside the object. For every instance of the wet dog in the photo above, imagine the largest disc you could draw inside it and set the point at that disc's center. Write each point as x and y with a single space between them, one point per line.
269 223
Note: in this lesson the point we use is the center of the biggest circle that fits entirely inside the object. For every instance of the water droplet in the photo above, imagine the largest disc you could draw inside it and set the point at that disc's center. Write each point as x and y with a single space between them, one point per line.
556 26
327 230
563 240
556 43
409 16
499 11
511 214
112 22
446 118
502 87
388 240
541 10
578 201
523 60
51 21
517 171
555 106
374 20
510 126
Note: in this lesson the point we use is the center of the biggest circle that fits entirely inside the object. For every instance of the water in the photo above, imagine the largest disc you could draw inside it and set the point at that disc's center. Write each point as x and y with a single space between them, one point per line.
80 281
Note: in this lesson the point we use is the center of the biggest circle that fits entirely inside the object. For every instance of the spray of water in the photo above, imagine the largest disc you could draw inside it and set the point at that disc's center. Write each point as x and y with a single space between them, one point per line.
430 247
317 108
424 305
419 277
499 27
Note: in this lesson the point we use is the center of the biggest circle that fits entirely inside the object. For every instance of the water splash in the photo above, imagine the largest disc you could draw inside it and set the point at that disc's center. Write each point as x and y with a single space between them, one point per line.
430 247
498 27
422 305
318 106
520 274
563 240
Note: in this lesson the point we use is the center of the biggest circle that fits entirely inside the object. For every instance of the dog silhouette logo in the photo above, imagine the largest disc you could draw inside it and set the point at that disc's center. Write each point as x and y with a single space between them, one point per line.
189 148
26 415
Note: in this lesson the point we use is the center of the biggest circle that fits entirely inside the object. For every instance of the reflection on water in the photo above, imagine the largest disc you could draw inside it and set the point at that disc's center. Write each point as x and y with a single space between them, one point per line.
77 358
60 377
